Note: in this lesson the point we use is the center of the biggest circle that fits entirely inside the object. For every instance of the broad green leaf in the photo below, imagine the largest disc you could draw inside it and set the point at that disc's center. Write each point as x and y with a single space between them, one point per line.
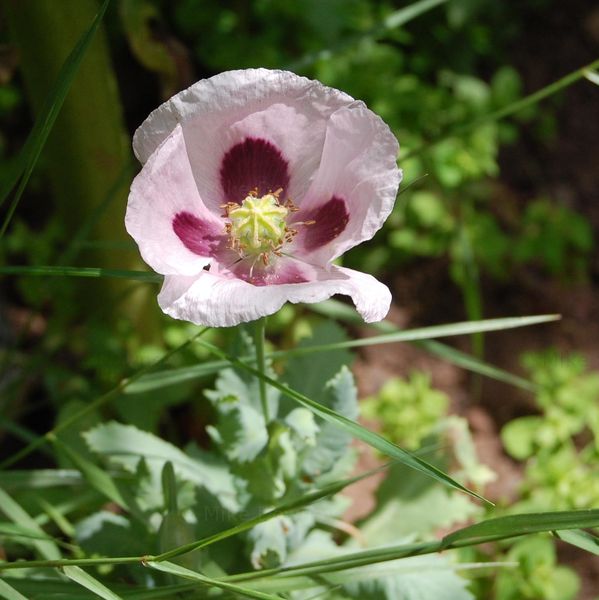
581 539
38 136
414 578
285 508
268 542
332 443
47 548
355 429
240 432
519 436
100 480
84 579
306 373
410 505
103 532
8 592
126 445
179 571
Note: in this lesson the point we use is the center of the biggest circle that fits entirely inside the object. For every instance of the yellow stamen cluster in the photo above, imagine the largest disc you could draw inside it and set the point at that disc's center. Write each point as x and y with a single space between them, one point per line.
258 226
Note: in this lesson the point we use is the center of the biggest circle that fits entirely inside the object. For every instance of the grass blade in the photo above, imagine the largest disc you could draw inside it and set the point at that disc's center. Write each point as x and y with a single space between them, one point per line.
47 548
355 429
580 539
38 136
94 272
421 336
78 575
286 508
515 525
178 571
342 312
9 593
497 529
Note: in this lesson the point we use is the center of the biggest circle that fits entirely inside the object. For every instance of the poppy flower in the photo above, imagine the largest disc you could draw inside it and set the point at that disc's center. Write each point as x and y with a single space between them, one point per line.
253 183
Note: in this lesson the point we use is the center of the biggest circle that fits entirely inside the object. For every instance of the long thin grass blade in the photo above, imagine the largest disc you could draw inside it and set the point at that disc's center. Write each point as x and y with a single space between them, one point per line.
47 548
37 139
497 529
514 525
179 571
580 539
285 508
421 335
8 592
84 579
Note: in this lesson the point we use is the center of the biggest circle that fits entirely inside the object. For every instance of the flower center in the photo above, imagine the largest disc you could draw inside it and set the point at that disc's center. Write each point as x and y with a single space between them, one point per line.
258 227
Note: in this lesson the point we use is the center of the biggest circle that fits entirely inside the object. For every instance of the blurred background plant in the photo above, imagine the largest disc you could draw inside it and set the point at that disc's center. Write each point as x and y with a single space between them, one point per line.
480 228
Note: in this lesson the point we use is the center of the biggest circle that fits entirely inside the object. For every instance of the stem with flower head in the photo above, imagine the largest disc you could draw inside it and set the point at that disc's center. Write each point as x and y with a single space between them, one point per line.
259 337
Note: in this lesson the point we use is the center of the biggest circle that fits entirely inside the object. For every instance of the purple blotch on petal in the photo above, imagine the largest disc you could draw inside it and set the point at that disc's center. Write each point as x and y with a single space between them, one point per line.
253 163
200 236
331 218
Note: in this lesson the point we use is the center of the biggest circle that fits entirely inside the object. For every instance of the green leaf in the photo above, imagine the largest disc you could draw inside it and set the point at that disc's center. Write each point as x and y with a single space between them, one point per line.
410 505
580 539
85 580
179 571
332 443
241 432
44 123
306 373
126 445
102 532
413 578
355 429
47 548
503 527
100 480
519 436
268 542
9 593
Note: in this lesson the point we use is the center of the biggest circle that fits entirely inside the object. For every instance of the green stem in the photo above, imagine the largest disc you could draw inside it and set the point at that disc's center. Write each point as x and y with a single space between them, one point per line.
259 336
508 110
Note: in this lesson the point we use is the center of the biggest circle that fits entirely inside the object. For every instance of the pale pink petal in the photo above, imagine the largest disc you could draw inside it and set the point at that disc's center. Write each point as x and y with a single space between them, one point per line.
166 216
280 108
214 300
355 187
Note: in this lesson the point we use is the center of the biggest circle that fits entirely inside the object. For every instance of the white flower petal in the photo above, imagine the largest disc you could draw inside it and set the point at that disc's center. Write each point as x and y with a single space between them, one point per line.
359 167
279 107
215 301
163 189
